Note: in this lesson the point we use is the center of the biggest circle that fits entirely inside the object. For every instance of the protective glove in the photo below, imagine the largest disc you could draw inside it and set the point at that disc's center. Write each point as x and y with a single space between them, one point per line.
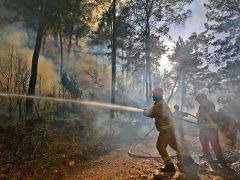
145 112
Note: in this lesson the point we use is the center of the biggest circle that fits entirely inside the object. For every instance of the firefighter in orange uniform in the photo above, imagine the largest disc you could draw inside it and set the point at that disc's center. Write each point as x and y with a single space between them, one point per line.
208 128
163 121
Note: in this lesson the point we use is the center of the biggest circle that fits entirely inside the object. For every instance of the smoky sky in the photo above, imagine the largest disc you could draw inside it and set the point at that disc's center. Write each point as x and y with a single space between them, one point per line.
195 23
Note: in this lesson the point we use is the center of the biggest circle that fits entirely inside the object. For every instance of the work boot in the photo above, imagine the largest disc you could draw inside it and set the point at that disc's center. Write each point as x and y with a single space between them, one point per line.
168 168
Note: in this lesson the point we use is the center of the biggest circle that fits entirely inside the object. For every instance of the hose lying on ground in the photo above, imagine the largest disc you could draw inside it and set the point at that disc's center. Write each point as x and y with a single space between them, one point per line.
133 147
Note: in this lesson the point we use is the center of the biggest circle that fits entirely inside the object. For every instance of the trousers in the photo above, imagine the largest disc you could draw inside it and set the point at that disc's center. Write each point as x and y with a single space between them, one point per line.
166 138
207 136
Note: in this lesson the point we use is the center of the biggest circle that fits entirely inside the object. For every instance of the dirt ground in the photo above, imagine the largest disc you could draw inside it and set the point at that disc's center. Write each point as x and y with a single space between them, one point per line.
119 166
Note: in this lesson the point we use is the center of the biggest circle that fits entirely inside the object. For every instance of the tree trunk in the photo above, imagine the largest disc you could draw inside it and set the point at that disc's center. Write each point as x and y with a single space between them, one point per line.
209 89
19 109
148 58
174 86
183 90
77 35
146 79
114 54
123 85
34 69
127 74
122 71
61 54
10 113
44 43
76 53
70 40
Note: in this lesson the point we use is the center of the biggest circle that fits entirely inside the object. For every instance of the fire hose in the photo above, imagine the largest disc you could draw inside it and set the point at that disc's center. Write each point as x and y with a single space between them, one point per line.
148 156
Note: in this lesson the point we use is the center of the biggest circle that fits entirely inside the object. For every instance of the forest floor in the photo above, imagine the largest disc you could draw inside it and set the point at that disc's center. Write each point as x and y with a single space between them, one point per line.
116 164
119 166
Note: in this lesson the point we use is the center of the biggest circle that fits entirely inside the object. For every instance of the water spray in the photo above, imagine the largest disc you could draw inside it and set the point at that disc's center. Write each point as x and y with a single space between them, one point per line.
84 102
88 103
102 105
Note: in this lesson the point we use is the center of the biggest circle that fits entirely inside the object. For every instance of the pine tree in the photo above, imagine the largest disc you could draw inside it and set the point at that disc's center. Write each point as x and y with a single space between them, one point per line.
224 22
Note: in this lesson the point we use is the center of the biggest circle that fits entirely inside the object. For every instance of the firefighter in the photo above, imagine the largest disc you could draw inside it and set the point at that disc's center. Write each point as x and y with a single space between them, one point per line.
208 128
163 122
178 115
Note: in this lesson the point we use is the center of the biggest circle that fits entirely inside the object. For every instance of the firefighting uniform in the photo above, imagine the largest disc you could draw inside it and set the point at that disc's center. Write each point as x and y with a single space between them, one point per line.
163 122
209 129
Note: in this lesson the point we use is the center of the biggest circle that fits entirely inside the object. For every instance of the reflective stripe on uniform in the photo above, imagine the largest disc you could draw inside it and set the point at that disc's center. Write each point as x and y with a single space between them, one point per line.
209 125
166 127
166 158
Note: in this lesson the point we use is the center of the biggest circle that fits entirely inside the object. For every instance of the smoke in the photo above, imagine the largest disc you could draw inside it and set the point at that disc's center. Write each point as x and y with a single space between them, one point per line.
92 72
194 24
14 37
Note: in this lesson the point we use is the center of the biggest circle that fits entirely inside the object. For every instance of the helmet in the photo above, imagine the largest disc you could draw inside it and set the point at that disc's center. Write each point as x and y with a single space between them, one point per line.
157 91
157 94
201 95
176 106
